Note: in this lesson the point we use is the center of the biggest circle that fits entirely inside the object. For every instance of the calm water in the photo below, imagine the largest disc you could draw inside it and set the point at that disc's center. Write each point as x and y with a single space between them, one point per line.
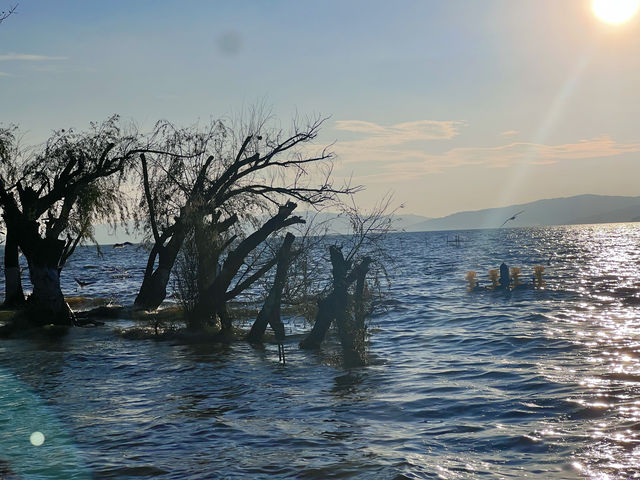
536 384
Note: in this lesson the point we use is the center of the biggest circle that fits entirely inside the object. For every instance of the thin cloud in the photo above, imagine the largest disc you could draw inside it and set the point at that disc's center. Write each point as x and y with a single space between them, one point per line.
5 74
376 135
509 133
28 57
403 164
505 155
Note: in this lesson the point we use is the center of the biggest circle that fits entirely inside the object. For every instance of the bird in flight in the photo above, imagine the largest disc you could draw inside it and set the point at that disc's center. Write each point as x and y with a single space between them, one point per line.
82 283
511 218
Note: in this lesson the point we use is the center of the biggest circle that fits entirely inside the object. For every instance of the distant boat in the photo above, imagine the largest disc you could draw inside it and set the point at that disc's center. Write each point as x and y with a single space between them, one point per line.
122 245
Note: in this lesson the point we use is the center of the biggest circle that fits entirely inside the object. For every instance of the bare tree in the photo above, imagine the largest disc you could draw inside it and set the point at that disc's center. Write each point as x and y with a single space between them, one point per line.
173 188
213 301
348 300
251 168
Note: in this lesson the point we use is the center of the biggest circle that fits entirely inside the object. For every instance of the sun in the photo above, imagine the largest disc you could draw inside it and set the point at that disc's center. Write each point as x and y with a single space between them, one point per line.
615 11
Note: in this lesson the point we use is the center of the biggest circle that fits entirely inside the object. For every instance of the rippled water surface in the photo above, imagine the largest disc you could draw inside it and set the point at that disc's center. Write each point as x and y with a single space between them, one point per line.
529 383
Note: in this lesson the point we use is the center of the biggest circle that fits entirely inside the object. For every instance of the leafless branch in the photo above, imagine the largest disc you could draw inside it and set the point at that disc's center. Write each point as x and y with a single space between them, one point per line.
6 14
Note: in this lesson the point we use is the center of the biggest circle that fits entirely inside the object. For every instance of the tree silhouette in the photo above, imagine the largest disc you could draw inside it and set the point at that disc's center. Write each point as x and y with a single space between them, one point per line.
229 173
7 13
51 197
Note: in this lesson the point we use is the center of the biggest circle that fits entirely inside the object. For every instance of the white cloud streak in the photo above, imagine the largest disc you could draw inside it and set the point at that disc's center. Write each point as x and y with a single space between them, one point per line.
400 133
398 164
26 57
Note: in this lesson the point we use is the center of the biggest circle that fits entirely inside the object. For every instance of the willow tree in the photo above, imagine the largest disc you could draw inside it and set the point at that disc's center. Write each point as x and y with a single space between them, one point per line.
172 187
242 173
11 170
54 196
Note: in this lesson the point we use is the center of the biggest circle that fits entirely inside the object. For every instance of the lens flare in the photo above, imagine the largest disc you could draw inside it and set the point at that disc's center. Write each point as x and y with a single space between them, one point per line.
36 439
615 11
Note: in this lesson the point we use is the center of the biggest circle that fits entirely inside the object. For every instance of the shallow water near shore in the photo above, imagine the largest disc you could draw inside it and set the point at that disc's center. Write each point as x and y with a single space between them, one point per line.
536 383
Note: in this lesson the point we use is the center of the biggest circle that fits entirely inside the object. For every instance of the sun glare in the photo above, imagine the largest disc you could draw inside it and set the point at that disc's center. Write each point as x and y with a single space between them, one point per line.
615 11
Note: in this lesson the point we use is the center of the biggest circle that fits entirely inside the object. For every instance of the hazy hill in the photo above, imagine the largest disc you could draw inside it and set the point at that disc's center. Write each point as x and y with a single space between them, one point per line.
555 211
340 224
336 223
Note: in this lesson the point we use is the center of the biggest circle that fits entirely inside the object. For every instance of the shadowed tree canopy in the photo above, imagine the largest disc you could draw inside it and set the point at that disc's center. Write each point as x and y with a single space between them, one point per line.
52 195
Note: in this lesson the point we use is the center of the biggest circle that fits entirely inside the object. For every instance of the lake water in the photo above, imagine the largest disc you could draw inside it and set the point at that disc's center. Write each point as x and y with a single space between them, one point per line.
529 383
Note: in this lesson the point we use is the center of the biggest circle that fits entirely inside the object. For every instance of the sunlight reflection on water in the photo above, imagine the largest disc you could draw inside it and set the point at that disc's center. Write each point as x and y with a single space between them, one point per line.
538 383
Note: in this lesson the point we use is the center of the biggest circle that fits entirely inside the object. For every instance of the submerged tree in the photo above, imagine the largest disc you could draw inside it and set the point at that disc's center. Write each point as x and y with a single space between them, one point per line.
214 299
349 299
270 312
55 195
173 186
234 174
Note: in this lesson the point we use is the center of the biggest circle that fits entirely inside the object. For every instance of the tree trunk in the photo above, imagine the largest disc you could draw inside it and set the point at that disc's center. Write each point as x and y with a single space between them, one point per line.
326 314
339 306
270 313
153 290
207 249
14 296
46 304
351 325
334 305
214 301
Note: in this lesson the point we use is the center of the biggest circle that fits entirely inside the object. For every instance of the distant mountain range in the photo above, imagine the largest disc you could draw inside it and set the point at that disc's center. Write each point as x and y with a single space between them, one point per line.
336 223
580 209
555 211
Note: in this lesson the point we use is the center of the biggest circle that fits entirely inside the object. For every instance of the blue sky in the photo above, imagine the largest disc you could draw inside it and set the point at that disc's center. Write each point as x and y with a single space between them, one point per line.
453 105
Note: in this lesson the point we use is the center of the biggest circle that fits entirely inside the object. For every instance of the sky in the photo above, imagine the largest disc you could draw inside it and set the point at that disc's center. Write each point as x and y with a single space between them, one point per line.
449 105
